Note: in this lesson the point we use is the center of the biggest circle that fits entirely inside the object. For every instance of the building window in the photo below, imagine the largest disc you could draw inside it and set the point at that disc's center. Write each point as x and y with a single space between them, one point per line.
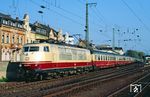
14 24
9 23
5 22
18 39
13 39
3 38
7 39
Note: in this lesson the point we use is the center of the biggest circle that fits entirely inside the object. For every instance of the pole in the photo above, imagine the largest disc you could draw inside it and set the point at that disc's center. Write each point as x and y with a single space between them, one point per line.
113 42
87 26
87 23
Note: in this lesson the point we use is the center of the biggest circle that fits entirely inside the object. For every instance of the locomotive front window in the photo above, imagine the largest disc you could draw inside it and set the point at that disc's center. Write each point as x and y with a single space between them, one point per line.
26 49
46 49
34 48
31 49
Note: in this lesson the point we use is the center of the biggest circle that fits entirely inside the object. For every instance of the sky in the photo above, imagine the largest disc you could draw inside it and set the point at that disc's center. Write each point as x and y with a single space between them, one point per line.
129 18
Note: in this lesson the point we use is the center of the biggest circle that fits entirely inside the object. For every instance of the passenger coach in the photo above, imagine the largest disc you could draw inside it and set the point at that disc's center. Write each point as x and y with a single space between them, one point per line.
104 59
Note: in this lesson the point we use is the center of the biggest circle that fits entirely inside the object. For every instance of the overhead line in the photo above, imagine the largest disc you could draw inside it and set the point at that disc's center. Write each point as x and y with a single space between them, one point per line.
140 20
98 17
58 13
65 10
71 12
62 14
101 15
65 17
80 2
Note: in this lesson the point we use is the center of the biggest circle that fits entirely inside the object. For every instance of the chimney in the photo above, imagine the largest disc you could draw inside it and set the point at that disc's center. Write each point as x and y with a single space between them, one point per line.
17 18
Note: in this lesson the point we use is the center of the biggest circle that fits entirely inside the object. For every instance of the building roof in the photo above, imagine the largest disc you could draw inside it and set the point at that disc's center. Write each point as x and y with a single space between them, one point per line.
7 20
4 15
8 17
41 28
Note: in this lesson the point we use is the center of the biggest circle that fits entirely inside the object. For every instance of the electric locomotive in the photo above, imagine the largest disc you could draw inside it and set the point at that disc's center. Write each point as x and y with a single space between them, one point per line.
45 59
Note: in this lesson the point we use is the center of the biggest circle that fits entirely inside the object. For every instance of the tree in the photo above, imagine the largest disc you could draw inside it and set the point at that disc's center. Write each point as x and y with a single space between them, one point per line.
136 54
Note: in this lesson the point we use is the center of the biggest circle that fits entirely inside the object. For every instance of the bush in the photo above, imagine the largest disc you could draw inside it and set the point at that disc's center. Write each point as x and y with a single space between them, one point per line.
3 79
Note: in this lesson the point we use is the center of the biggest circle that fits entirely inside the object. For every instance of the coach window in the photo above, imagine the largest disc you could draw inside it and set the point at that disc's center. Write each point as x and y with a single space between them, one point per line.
102 58
99 57
95 57
46 48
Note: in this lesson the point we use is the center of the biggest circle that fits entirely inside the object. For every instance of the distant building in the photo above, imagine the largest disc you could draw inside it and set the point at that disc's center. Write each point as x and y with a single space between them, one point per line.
53 34
44 32
12 37
29 34
60 36
107 48
41 31
69 39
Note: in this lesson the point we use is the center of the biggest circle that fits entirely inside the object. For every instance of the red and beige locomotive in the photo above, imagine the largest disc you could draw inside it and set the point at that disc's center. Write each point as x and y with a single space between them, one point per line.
48 59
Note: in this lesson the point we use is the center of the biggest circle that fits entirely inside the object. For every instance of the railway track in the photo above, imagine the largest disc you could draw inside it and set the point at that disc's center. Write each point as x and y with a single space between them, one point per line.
69 90
138 88
66 85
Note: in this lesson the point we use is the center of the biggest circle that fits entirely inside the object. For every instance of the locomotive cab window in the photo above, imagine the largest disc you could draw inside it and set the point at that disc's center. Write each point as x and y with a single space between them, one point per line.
31 49
46 49
34 48
26 49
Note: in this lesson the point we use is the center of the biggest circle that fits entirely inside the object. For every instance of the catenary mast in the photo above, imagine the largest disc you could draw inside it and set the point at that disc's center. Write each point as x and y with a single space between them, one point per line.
87 23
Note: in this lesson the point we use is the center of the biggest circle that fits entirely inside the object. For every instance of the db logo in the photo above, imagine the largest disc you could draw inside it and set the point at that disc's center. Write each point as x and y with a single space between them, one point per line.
135 88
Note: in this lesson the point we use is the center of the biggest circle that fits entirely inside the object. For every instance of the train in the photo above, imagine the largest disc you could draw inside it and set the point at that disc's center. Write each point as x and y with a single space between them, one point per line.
41 60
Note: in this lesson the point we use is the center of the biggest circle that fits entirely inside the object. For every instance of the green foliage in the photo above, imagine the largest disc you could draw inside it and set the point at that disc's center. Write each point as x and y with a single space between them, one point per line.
136 54
3 79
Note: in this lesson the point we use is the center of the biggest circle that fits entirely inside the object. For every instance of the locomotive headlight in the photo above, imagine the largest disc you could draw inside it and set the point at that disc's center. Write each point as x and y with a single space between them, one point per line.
20 65
26 58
